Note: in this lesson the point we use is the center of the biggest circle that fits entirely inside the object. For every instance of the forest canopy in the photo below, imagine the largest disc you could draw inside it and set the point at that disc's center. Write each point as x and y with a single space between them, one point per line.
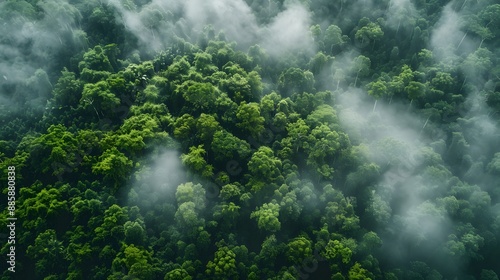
249 139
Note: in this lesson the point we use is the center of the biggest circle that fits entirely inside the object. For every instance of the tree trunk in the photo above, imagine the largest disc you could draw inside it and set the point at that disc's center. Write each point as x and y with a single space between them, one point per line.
461 41
374 105
465 2
425 124
96 112
481 42
465 79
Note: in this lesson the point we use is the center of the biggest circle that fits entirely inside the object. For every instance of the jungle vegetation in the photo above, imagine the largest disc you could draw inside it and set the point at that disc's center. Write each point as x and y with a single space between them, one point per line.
231 139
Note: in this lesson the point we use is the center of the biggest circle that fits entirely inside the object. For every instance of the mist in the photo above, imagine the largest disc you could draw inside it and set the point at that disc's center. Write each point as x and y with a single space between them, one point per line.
157 181
401 14
459 52
411 155
287 32
409 151
397 144
448 40
31 46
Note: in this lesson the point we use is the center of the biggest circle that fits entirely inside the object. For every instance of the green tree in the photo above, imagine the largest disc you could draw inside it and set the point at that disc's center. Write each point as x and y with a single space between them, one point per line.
340 215
268 105
99 98
357 272
494 166
290 208
270 249
297 136
111 231
223 266
48 253
298 250
134 233
226 146
203 63
487 274
230 191
207 126
415 90
135 260
114 165
43 207
196 161
377 89
189 192
335 251
324 144
184 127
490 15
57 151
238 88
96 59
249 118
177 274
369 33
370 242
230 212
295 80
478 63
267 217
475 25
264 166
322 115
320 63
201 96
187 217
361 65
333 39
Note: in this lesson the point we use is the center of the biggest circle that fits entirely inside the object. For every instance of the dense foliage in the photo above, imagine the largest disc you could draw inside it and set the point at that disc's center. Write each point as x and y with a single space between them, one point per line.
252 139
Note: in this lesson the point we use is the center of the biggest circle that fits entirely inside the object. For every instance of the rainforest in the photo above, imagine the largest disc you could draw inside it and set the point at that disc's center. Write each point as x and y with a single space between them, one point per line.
250 139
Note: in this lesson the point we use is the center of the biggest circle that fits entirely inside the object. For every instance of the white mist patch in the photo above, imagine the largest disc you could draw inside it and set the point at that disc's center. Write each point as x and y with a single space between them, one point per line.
154 24
32 42
289 32
158 181
400 13
233 17
393 135
385 122
147 24
394 141
447 40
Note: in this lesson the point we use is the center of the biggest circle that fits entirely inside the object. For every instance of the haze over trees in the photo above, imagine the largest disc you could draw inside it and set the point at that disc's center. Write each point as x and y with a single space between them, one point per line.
240 139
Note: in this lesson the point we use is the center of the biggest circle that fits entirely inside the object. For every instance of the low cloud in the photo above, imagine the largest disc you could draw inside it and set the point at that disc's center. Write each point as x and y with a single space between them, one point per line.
447 38
28 44
158 179
287 32
396 142
400 14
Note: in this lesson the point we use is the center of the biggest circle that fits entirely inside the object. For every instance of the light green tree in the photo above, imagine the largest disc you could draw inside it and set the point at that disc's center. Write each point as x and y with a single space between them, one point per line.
223 266
196 161
298 250
249 118
267 217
